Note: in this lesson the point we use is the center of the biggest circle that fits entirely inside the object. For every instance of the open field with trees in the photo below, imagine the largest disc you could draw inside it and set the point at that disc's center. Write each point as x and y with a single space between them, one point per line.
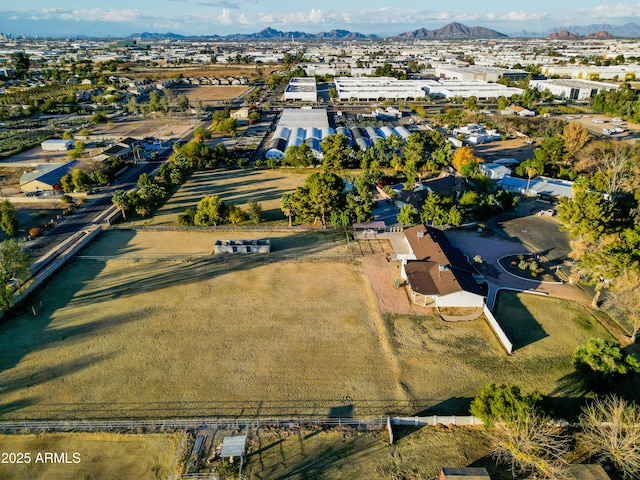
102 455
147 338
237 186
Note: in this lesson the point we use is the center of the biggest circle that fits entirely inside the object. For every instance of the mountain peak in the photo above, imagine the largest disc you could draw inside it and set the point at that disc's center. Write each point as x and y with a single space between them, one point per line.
452 30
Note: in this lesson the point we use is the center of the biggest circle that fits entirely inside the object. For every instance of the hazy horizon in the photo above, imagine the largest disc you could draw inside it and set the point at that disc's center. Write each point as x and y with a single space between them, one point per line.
224 17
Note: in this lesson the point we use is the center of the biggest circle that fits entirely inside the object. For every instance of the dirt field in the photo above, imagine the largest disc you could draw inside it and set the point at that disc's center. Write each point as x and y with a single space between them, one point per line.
101 455
211 93
515 148
213 70
138 127
236 186
346 454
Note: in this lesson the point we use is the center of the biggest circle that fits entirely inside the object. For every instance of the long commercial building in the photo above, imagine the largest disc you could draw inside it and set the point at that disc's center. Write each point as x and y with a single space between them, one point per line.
476 72
572 89
387 88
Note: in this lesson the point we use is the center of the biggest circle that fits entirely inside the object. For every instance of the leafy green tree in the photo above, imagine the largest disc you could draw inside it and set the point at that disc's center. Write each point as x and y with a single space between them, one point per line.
211 210
200 134
187 218
67 135
588 215
14 267
321 194
8 218
505 403
66 183
336 151
228 126
604 360
299 156
454 216
407 215
121 201
81 180
235 214
21 62
254 210
98 118
471 103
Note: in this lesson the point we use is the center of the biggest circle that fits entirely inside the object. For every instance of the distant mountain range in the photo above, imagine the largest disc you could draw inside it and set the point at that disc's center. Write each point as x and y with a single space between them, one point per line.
626 30
451 31
266 34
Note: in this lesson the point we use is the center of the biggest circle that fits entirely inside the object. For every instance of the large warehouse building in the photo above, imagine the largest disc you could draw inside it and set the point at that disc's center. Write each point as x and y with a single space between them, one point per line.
377 88
383 88
572 89
310 126
301 89
471 88
297 126
475 72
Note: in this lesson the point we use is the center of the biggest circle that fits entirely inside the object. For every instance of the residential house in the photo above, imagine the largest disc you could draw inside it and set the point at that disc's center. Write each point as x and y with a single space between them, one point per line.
445 184
494 171
518 110
437 273
538 186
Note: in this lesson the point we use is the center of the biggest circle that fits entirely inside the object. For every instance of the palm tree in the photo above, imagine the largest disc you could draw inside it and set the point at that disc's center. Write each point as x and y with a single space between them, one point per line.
286 206
121 201
531 171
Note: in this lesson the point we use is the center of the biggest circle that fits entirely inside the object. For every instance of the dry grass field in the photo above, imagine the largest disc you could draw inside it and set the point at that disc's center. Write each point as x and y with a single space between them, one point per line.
347 454
211 93
212 70
102 455
236 186
138 127
232 337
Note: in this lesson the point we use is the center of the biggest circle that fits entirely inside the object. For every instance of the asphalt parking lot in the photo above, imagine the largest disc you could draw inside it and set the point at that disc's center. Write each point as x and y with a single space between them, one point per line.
541 234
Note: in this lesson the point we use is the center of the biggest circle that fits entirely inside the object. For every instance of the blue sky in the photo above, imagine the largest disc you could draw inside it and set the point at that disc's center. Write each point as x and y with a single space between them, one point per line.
385 17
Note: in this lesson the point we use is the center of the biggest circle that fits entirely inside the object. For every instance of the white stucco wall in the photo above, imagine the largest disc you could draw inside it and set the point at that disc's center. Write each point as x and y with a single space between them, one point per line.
460 299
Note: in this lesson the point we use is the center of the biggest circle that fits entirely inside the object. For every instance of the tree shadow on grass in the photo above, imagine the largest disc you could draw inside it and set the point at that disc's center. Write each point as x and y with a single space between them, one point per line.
521 327
28 379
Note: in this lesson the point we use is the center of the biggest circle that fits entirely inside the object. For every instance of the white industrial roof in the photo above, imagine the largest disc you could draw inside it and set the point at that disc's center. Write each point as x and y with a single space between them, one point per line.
304 118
